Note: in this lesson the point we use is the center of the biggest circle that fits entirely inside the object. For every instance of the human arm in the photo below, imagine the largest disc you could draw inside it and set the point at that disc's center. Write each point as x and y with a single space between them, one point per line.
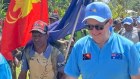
71 68
134 63
24 67
60 66
60 63
22 75
135 77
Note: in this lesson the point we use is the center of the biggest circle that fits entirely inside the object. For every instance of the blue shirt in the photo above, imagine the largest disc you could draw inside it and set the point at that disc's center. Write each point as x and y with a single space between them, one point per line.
25 65
5 71
138 46
115 60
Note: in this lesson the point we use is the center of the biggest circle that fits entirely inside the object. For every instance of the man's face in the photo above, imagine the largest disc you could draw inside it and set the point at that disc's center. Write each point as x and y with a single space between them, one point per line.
128 28
118 26
99 35
39 39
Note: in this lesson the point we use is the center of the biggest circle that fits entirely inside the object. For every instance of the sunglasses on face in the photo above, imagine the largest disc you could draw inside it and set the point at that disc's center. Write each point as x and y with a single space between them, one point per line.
97 27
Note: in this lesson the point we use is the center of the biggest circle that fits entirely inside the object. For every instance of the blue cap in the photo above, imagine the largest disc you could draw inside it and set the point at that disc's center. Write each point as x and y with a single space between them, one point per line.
127 20
98 11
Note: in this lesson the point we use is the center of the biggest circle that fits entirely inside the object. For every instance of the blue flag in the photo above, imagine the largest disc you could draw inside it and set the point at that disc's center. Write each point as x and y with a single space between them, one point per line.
64 27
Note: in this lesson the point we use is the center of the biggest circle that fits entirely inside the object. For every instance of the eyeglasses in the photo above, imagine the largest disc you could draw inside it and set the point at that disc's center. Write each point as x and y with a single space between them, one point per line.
97 27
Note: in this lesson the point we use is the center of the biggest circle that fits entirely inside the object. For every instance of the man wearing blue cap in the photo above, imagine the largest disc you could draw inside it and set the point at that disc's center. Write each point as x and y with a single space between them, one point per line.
130 31
103 54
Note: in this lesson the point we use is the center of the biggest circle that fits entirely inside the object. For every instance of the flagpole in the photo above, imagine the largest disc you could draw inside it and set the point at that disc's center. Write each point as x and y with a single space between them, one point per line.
75 24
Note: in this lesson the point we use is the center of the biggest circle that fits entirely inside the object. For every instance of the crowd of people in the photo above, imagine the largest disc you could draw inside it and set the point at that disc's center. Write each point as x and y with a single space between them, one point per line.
109 50
128 28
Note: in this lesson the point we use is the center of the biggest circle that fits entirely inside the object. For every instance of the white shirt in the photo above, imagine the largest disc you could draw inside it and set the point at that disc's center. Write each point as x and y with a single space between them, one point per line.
132 35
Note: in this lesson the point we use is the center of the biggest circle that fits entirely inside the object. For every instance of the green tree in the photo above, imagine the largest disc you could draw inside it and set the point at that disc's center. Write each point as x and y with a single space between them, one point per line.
2 9
59 5
136 7
118 8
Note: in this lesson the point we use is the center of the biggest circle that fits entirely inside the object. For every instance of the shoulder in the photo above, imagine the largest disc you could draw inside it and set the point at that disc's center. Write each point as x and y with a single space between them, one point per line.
138 44
135 29
56 54
83 40
55 50
122 39
2 59
29 44
28 50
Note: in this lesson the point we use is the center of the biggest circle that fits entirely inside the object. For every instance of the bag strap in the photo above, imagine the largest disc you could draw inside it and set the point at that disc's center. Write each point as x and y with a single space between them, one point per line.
26 52
55 52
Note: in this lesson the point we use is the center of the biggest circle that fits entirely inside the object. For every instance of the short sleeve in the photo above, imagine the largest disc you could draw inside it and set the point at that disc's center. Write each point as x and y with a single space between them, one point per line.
134 61
24 65
5 71
71 67
60 58
60 62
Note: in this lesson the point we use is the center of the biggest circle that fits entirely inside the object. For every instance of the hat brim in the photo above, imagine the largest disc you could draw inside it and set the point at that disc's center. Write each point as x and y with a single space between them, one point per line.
100 19
39 30
128 23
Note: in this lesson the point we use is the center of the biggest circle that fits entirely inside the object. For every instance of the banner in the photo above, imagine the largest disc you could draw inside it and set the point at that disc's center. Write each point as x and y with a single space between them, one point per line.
20 17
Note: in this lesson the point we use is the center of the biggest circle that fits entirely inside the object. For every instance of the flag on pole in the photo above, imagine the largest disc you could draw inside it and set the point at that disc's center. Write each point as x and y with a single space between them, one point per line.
66 25
20 17
71 22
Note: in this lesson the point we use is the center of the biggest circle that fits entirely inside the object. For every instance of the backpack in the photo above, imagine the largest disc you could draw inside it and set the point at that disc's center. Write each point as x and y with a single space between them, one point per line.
54 53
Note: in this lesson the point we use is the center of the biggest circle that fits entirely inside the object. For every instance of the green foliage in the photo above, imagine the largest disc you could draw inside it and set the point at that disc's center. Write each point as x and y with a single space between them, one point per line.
118 8
2 9
136 7
59 5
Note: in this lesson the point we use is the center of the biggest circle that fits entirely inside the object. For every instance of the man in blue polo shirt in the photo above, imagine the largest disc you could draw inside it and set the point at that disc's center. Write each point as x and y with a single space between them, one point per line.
5 71
103 54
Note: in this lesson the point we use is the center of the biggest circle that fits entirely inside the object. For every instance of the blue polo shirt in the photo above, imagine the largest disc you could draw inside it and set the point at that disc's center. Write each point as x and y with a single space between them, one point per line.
138 46
115 60
5 71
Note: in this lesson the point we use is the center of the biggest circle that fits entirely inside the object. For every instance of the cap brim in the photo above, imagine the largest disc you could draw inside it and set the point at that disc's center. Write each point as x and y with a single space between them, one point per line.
39 30
100 19
127 23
